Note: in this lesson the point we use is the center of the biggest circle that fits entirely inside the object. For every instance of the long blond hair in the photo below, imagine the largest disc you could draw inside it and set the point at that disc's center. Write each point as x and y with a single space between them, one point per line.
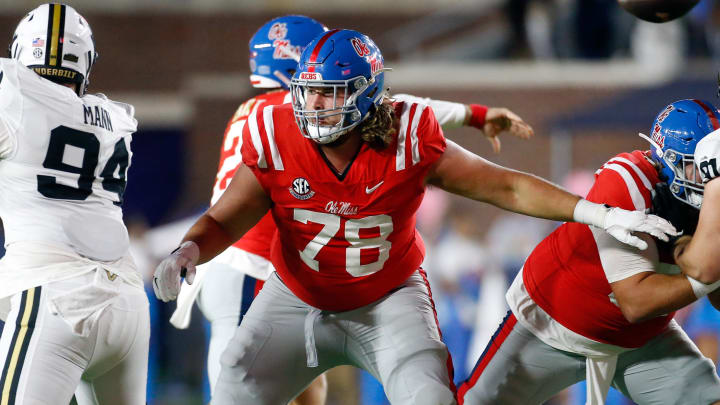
378 129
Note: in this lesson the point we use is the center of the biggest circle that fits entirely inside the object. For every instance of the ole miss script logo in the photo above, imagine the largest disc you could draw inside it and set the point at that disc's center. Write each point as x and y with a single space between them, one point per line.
360 47
656 135
277 31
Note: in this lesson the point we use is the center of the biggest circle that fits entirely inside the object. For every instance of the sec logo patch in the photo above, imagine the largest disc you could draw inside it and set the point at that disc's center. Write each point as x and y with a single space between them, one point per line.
300 189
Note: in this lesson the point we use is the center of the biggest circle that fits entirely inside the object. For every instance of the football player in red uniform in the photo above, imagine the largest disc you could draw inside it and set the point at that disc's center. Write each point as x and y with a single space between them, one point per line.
227 285
587 307
343 170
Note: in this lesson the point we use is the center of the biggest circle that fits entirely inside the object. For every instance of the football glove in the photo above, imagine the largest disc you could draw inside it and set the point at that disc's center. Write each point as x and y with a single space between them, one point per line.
622 223
168 274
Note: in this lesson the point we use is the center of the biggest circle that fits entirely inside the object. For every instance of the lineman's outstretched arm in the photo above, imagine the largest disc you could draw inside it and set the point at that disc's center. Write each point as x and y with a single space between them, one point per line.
461 172
700 258
241 207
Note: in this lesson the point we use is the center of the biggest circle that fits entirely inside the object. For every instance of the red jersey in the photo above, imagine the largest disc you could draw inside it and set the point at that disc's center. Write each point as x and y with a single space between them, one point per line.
256 240
344 240
564 275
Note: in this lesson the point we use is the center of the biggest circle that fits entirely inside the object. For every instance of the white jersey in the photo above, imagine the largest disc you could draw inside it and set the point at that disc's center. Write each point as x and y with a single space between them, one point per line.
63 165
707 156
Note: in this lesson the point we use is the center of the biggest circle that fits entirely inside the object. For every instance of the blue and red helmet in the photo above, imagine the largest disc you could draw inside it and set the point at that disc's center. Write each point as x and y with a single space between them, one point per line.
674 135
348 64
276 47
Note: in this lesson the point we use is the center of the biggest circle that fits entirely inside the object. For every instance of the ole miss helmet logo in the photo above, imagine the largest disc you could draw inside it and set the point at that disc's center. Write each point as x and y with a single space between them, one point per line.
285 50
665 113
360 47
277 31
656 135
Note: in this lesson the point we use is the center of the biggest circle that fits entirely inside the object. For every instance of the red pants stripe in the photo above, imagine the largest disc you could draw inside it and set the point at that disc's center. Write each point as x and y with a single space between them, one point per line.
496 341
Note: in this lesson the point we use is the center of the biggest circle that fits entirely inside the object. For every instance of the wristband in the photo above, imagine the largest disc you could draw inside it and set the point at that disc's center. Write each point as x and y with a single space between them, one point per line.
701 289
590 213
477 118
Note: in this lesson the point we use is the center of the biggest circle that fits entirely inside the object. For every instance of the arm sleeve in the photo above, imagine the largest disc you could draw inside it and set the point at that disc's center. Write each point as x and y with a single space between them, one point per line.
707 156
450 115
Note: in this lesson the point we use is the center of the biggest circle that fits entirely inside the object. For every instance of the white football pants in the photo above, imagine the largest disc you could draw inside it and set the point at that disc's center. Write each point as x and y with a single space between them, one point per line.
88 335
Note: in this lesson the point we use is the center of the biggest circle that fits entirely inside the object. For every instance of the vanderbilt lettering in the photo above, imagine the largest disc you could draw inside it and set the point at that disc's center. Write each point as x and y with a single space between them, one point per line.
69 74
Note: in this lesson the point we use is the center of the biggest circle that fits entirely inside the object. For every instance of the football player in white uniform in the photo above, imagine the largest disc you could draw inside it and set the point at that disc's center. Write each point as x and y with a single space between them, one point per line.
78 320
699 255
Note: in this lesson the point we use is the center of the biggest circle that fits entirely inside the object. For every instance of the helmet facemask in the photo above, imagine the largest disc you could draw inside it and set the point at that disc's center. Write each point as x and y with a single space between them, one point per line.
325 125
686 184
674 136
338 63
681 173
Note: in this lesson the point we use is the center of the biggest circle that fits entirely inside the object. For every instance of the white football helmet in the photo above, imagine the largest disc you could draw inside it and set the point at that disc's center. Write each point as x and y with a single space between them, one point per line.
57 43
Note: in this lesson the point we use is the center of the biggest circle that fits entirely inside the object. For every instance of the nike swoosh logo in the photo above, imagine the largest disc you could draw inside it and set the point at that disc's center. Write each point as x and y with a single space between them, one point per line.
369 190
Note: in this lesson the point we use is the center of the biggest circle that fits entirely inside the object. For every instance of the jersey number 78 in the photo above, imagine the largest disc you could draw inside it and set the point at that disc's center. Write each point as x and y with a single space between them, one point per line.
353 252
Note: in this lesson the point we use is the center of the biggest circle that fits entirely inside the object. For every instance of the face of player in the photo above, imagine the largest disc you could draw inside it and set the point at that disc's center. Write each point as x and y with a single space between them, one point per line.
327 99
692 173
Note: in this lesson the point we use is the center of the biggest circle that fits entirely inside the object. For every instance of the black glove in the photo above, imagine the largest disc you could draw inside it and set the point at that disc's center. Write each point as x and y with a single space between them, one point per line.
683 216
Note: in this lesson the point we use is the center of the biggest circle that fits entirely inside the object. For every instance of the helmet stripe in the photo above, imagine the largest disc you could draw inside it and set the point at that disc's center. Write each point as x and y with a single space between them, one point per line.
318 46
710 114
48 34
56 14
61 35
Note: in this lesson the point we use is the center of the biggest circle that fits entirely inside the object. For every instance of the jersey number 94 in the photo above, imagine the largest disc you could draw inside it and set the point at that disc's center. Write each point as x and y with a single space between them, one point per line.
62 141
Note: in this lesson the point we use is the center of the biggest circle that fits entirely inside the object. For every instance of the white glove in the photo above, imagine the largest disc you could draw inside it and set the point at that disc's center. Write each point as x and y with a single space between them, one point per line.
621 223
180 263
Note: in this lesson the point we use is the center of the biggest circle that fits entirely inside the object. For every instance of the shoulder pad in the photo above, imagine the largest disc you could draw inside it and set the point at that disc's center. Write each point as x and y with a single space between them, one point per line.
128 108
